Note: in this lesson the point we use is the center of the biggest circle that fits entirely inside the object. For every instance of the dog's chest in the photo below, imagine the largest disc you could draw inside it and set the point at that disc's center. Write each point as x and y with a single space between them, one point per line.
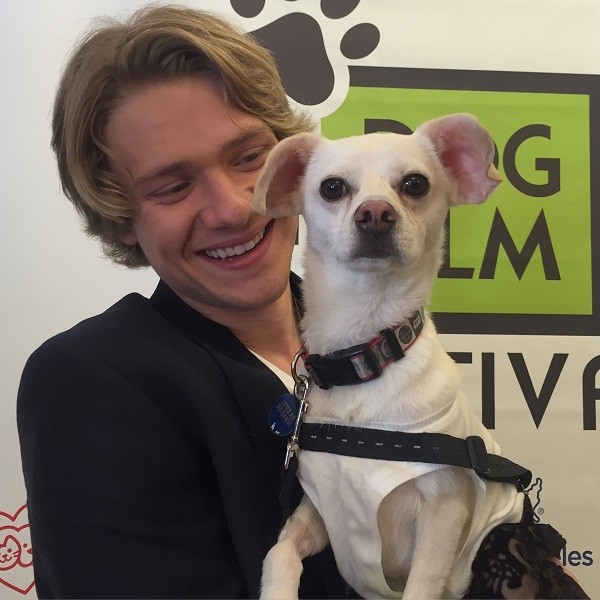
348 491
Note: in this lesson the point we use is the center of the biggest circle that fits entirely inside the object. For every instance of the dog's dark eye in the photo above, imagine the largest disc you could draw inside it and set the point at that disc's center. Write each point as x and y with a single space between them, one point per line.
333 188
415 185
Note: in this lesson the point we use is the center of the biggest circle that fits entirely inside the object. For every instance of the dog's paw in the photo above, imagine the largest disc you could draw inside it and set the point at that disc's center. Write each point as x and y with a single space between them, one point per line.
296 39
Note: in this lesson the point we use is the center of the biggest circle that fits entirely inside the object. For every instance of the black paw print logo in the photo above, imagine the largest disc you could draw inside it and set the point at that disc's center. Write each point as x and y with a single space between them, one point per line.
296 40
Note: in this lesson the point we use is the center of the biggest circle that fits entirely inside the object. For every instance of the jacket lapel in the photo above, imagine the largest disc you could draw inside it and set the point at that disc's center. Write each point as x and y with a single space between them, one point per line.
254 474
254 385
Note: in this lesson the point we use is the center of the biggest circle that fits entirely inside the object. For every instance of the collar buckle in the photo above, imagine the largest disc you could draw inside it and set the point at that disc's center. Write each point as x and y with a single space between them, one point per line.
365 361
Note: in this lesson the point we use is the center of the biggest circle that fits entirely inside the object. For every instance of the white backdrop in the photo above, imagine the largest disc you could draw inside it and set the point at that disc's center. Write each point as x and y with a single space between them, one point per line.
53 276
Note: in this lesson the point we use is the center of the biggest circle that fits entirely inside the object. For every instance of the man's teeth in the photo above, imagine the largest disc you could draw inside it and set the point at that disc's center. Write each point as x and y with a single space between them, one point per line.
230 251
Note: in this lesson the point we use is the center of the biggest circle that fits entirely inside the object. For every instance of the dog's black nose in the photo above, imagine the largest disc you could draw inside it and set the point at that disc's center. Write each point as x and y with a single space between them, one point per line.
375 216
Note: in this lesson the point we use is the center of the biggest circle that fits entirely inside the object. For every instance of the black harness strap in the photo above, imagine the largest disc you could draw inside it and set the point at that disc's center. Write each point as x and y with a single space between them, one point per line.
436 448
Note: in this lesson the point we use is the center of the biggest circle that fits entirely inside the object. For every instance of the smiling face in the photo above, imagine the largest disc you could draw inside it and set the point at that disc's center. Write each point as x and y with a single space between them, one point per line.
189 161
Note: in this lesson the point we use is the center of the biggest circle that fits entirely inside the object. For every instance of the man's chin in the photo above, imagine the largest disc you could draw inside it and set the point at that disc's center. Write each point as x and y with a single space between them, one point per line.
259 298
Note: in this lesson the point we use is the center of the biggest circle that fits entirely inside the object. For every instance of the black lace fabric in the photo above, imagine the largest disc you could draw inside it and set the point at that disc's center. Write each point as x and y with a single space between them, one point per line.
522 560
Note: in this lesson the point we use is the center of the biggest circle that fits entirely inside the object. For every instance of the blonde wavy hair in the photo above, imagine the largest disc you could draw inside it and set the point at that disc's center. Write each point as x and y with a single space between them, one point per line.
157 43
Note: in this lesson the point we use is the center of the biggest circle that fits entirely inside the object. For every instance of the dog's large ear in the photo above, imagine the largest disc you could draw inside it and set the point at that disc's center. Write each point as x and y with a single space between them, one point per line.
278 189
466 150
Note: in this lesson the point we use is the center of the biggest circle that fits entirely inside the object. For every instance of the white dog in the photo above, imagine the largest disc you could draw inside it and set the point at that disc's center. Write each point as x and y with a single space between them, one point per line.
375 207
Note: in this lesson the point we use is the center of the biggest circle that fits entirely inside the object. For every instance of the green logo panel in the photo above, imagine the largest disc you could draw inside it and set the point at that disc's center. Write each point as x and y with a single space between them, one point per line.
529 249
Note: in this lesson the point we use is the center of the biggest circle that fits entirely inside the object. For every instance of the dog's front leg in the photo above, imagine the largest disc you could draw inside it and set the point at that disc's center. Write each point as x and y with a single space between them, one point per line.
303 535
438 529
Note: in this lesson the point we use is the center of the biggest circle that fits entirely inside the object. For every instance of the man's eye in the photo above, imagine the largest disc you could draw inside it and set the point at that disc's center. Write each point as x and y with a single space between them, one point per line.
172 192
177 188
253 159
250 157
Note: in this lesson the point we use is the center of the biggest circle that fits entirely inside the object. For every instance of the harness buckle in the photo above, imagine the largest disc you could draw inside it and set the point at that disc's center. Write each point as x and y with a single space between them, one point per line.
478 455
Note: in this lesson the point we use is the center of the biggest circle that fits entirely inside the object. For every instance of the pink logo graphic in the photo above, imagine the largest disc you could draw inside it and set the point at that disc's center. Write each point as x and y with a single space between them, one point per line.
16 571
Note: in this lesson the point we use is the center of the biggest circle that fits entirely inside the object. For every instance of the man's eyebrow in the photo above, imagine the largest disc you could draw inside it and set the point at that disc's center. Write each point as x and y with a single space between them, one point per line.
246 135
182 165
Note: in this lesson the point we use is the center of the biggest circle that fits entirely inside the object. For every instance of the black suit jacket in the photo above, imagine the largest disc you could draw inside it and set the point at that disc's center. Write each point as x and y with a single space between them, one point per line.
149 465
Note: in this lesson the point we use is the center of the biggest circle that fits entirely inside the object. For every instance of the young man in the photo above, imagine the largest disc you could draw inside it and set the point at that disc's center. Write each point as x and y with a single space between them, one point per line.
149 464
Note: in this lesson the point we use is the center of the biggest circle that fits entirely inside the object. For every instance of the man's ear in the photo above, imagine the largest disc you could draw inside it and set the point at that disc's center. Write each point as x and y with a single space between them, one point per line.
128 236
466 150
278 189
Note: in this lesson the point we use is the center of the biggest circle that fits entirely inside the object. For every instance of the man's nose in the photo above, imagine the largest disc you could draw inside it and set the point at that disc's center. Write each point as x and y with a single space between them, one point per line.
226 202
